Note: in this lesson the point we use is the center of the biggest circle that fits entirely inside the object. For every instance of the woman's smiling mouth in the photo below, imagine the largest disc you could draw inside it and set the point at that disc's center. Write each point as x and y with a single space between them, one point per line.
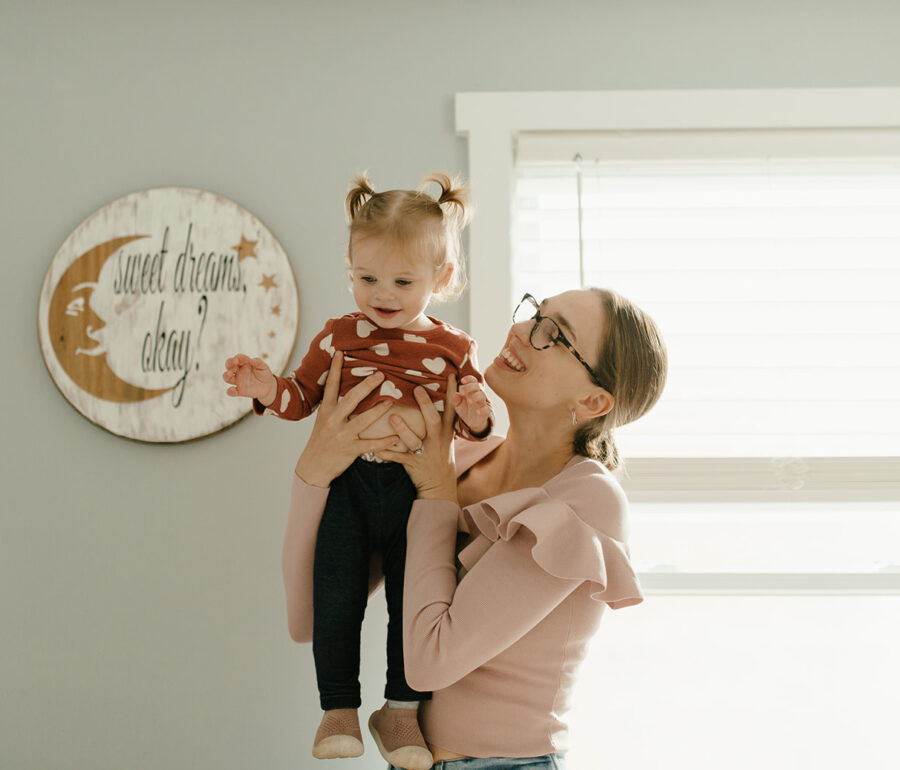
509 358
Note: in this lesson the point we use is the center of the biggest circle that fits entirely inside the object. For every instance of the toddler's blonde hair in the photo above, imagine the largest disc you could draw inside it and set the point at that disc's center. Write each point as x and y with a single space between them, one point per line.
419 225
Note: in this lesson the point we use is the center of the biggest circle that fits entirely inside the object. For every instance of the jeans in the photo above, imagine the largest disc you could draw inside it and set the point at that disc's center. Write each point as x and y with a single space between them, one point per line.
546 762
366 512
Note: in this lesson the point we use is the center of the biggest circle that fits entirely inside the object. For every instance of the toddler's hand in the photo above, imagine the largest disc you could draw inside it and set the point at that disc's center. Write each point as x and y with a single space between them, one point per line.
472 405
250 377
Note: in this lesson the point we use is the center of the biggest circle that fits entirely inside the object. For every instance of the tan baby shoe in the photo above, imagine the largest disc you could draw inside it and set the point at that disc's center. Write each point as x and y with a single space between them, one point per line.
399 739
338 735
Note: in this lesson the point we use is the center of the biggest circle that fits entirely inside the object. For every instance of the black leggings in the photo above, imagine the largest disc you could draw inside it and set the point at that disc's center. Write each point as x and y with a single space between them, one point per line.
366 512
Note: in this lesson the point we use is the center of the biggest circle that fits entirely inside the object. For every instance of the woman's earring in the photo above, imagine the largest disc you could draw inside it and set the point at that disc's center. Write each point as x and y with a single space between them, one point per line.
574 418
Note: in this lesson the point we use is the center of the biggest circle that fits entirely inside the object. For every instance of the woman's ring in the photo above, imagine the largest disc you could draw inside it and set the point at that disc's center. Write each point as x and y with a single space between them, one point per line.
419 450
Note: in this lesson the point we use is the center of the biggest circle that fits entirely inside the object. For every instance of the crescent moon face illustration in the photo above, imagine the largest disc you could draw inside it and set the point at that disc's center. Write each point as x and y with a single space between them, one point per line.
73 326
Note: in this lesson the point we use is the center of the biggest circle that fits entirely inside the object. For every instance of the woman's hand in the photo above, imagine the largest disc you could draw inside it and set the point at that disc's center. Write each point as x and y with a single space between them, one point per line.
433 471
335 443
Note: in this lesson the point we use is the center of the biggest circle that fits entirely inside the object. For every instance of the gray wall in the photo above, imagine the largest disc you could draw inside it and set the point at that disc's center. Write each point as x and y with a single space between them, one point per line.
141 606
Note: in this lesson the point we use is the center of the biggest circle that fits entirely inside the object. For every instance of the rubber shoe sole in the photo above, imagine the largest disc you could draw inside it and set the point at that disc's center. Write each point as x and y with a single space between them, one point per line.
406 757
337 747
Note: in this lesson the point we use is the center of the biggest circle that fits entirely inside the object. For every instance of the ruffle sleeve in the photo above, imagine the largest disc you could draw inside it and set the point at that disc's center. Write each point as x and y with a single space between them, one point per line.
566 545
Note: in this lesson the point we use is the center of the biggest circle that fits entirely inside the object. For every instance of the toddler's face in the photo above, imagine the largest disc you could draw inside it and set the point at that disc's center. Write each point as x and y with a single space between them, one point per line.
392 289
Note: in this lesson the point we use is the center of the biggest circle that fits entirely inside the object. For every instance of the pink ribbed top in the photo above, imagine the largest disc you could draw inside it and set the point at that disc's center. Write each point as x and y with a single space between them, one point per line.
498 630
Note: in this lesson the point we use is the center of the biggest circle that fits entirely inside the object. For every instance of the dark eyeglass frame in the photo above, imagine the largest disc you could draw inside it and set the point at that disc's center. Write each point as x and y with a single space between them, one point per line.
555 337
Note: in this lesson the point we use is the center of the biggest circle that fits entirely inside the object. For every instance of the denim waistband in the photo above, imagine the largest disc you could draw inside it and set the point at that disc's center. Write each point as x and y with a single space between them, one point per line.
544 762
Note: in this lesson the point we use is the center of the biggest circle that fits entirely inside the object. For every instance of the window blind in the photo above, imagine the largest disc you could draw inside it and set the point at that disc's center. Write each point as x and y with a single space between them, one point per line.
775 283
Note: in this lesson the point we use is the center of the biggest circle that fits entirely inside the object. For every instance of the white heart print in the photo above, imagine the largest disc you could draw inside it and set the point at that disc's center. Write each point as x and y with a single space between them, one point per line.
285 400
381 349
434 365
362 371
325 344
389 389
364 328
433 385
414 338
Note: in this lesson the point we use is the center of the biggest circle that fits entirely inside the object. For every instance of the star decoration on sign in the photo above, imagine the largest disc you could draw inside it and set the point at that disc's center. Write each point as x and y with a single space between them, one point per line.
268 282
245 249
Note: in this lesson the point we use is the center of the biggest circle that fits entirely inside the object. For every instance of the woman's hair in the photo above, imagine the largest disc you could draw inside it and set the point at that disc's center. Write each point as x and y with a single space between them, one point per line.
632 367
416 223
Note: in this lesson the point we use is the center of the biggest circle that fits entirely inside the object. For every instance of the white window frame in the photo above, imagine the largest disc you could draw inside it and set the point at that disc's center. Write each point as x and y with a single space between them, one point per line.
493 122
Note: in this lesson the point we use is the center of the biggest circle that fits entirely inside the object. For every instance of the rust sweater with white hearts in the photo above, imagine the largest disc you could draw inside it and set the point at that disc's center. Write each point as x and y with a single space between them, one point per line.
406 358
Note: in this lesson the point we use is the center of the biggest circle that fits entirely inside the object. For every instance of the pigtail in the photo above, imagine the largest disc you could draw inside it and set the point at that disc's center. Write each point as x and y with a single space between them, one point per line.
416 223
453 200
360 194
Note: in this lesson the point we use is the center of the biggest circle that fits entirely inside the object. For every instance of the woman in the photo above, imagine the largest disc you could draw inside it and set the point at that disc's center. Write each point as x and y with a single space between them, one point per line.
498 627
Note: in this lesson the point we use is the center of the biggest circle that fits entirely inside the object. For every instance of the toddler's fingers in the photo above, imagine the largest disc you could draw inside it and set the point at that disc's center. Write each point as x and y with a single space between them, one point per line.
467 379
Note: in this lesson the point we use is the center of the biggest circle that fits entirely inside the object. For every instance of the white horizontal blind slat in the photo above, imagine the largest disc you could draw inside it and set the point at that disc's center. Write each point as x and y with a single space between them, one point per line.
776 285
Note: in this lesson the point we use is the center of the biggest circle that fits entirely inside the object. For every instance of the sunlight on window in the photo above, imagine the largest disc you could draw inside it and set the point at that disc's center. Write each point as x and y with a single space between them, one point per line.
705 683
776 285
766 538
777 288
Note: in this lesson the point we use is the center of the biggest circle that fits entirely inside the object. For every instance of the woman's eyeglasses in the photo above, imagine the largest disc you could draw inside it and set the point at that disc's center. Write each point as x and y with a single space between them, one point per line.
546 332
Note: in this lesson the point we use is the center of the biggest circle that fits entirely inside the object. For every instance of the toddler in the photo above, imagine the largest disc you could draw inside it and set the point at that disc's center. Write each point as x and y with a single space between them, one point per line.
404 252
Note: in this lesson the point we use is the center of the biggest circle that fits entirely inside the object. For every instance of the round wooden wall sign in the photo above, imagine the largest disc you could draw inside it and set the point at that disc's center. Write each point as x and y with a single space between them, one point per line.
146 299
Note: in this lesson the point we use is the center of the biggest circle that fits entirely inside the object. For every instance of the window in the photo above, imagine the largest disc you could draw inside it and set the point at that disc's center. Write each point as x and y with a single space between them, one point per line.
767 536
746 682
776 282
770 155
